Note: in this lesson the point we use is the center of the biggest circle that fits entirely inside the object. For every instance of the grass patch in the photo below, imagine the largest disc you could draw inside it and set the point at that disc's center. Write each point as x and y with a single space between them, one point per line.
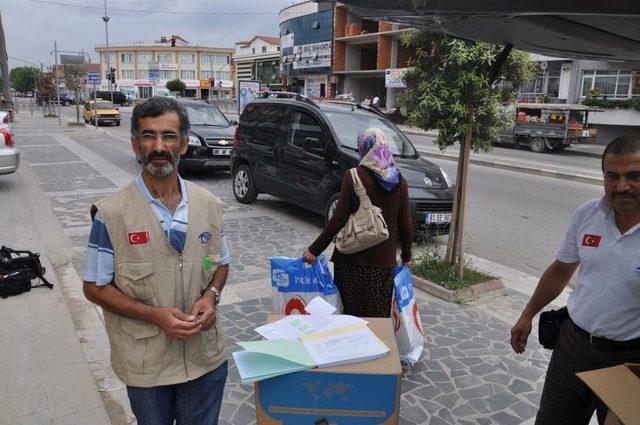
431 266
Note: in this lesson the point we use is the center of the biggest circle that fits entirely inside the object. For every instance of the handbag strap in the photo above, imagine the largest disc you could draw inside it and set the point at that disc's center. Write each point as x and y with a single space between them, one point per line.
359 188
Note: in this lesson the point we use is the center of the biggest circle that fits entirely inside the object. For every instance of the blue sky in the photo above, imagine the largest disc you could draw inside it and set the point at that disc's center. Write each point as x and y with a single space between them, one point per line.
31 26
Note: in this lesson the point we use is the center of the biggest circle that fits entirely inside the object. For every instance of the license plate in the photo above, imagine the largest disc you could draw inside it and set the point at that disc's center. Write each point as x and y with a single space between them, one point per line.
221 151
437 218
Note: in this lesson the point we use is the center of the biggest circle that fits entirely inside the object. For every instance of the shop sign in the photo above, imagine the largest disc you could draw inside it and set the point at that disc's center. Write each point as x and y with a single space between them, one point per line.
286 41
313 49
312 85
247 91
205 84
393 78
312 63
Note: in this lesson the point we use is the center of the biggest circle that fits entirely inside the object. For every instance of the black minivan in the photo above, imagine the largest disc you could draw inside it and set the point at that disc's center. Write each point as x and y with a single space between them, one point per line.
298 150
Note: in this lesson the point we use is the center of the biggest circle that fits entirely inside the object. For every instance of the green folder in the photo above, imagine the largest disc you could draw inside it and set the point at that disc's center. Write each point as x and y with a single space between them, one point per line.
267 359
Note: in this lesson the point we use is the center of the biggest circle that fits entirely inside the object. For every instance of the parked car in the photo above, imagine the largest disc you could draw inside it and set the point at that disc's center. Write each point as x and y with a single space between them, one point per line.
65 100
210 138
6 117
119 98
107 113
547 126
298 150
9 155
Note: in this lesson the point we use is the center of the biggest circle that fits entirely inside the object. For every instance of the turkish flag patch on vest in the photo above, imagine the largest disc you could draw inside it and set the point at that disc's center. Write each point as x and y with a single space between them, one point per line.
138 238
591 240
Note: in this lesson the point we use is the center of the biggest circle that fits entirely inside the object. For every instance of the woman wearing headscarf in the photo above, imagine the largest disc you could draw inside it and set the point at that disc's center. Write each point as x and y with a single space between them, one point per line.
365 278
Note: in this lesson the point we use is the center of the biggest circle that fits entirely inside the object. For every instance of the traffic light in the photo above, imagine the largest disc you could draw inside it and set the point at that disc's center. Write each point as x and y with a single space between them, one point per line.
173 41
112 75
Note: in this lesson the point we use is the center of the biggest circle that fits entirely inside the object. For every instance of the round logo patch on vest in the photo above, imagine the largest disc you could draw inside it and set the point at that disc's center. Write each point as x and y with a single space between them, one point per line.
205 237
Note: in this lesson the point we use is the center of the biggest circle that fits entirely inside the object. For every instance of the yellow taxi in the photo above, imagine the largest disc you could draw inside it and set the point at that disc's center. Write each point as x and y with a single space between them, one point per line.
107 113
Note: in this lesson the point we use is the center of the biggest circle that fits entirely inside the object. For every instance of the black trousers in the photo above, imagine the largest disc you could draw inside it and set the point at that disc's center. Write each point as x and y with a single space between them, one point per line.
365 291
565 398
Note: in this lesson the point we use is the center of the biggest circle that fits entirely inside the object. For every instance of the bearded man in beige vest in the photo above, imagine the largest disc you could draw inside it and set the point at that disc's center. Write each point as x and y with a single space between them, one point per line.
157 262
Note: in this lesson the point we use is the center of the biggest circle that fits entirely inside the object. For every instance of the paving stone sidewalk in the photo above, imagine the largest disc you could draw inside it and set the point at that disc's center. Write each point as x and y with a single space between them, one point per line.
467 374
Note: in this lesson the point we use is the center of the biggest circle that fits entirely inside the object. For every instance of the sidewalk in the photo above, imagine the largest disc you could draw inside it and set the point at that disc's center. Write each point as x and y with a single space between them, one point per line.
585 149
56 367
44 377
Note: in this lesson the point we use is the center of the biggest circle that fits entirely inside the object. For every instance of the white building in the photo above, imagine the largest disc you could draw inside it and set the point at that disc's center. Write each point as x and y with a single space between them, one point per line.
259 60
142 70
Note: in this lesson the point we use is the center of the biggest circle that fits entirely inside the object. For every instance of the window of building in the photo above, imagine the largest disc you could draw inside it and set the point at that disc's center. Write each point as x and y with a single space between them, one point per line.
126 58
112 58
167 75
253 50
128 74
143 74
221 59
165 57
635 84
187 58
616 83
144 57
205 75
187 75
264 49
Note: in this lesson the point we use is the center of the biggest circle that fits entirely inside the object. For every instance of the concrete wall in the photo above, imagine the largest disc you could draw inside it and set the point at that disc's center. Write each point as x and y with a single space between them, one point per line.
352 58
606 133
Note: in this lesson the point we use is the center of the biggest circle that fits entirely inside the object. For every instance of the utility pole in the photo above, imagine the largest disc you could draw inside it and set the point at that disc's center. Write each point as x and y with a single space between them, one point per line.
55 49
4 66
105 18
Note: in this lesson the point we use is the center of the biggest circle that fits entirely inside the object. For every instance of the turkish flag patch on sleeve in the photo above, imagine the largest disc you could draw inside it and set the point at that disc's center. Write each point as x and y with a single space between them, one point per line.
138 238
591 240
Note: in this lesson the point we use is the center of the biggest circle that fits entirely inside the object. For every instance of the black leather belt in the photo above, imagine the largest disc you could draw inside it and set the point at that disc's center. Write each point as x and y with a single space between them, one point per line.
607 344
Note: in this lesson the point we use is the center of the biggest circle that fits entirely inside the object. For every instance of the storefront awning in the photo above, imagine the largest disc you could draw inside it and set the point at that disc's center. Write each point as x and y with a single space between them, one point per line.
605 30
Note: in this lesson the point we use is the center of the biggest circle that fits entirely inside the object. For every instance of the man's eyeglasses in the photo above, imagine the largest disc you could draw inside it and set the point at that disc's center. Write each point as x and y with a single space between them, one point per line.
168 137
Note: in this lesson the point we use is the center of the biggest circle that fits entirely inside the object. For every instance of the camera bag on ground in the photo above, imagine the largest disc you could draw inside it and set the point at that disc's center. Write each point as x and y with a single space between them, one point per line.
18 269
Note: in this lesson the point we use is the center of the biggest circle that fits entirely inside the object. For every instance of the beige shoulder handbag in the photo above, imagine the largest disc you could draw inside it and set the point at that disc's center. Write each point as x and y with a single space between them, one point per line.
366 227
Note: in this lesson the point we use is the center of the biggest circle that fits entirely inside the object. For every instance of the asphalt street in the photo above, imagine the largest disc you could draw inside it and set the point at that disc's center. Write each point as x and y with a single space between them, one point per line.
512 218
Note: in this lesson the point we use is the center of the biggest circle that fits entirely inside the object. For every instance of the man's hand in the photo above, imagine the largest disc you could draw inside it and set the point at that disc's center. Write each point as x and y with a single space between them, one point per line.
520 333
175 323
204 310
309 257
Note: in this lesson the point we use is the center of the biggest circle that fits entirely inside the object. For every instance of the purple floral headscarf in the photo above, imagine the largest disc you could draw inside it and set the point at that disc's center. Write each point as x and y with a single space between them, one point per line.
375 154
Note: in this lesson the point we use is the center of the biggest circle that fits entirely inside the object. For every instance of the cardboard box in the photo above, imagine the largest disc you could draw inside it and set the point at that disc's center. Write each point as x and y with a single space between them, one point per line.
360 393
619 388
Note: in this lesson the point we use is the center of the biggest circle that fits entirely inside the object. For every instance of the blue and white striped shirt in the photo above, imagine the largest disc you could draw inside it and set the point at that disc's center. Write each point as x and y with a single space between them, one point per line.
99 266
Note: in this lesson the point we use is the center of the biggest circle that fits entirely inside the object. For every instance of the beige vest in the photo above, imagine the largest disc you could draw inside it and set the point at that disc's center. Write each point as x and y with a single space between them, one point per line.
155 274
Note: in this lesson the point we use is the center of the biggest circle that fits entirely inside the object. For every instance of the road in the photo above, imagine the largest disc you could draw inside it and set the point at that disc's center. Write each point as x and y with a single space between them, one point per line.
512 218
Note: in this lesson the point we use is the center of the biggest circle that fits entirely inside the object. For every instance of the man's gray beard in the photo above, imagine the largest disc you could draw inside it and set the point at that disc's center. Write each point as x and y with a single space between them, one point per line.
162 170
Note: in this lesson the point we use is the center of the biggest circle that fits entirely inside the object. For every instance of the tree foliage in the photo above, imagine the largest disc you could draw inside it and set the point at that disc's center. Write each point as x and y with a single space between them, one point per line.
23 78
74 77
45 85
448 76
176 85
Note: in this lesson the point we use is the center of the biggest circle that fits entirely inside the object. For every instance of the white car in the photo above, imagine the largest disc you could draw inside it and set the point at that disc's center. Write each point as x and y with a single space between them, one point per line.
9 155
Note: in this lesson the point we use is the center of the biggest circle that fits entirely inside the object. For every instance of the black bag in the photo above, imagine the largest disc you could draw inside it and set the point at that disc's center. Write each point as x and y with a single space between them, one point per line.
17 269
549 326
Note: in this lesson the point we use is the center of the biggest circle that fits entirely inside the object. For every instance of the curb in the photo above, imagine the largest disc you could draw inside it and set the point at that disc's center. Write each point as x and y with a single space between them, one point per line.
523 169
463 295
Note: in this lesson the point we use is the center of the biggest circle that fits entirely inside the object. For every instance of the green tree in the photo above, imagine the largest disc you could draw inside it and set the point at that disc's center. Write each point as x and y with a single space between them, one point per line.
74 80
176 86
458 87
23 78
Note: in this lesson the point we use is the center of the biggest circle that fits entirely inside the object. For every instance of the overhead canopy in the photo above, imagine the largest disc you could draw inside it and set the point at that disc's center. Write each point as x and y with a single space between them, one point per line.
581 29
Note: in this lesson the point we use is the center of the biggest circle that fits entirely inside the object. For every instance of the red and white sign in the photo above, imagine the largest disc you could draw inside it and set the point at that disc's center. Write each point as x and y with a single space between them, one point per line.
591 240
138 238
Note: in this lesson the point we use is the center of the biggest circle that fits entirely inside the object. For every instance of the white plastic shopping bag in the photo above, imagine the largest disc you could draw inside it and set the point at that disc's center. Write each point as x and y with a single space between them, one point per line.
406 317
295 283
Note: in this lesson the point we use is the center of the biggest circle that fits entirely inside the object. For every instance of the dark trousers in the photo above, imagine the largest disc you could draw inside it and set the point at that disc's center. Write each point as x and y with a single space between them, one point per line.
364 291
565 398
194 402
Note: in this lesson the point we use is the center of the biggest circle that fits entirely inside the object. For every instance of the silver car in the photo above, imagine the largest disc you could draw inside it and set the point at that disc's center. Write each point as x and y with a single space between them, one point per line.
9 155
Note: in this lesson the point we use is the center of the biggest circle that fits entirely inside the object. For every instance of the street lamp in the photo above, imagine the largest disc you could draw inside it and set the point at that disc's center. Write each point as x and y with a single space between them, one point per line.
105 18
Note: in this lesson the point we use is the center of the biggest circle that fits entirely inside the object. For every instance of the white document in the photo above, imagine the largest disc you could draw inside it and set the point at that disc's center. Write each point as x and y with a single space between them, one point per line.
293 327
318 306
351 344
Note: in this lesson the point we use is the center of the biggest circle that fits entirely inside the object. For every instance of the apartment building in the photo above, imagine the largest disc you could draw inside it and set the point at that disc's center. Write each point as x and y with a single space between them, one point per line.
258 59
143 69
